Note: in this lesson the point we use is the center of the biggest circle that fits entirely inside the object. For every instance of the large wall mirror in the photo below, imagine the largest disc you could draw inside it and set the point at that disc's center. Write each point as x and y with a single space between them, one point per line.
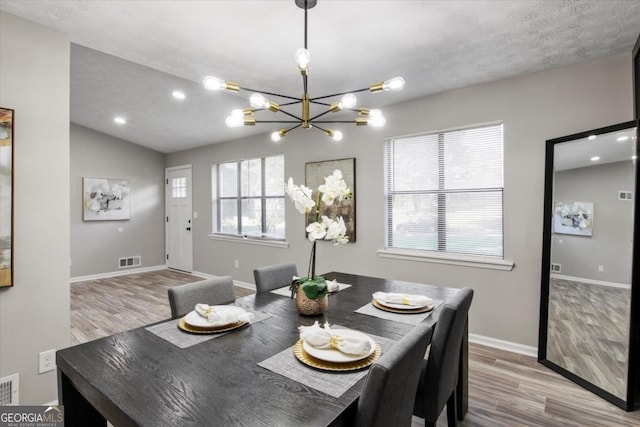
588 319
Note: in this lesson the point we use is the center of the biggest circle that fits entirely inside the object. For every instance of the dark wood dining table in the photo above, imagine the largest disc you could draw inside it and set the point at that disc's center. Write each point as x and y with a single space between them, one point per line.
136 378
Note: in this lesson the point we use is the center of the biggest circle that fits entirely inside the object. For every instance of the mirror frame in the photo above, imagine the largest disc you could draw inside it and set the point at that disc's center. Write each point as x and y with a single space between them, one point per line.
633 373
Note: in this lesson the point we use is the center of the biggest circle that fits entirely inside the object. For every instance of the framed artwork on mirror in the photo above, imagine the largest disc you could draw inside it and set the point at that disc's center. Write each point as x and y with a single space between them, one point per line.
573 218
6 197
315 172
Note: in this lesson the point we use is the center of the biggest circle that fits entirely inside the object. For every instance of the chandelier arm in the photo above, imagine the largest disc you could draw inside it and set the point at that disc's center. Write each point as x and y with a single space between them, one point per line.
334 121
338 94
319 103
271 93
319 115
290 103
291 115
279 121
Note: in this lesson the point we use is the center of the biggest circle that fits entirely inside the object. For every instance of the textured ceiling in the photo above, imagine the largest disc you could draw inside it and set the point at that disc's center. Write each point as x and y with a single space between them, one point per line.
127 56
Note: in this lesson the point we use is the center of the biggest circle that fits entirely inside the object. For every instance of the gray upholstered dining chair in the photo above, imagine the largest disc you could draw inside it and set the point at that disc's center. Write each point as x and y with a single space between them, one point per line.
439 374
215 291
390 388
274 276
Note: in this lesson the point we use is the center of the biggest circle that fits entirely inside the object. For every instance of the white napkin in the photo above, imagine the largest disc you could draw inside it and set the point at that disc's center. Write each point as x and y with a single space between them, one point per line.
332 285
318 337
220 315
404 299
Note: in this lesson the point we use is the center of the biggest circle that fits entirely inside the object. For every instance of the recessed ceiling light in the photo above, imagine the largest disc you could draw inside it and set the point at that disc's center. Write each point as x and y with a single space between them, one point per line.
120 120
595 158
622 138
591 137
177 94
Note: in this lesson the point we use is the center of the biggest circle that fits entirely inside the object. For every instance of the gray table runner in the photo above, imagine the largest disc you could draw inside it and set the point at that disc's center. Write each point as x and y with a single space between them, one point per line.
169 331
334 384
285 291
409 319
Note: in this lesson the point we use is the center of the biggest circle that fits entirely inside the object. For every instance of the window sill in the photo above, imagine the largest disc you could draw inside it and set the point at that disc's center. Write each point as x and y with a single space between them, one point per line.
249 240
451 259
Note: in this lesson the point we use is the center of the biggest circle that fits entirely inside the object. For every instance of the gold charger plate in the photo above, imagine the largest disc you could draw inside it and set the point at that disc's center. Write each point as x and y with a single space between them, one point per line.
309 360
213 330
376 304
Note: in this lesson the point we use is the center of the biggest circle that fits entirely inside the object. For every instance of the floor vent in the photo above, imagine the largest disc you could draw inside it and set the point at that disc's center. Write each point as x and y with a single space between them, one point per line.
131 261
9 390
556 268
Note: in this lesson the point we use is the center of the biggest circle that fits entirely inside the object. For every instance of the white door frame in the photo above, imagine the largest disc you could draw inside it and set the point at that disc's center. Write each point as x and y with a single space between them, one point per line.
168 224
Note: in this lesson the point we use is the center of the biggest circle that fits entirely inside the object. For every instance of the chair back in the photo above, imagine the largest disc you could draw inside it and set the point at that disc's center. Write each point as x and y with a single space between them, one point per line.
439 375
274 276
216 291
390 388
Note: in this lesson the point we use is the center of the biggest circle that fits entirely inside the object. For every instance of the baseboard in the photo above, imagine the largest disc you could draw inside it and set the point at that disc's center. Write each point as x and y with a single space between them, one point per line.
590 281
504 345
117 273
237 283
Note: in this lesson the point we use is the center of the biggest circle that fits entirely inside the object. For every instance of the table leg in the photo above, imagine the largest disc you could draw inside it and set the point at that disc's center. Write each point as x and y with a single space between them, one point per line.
77 410
462 389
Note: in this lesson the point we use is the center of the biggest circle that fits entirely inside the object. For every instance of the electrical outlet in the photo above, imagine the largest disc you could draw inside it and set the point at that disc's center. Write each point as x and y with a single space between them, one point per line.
47 361
601 268
236 263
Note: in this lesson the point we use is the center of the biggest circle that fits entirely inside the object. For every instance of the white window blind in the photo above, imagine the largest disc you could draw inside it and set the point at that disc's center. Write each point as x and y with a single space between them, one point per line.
248 197
444 191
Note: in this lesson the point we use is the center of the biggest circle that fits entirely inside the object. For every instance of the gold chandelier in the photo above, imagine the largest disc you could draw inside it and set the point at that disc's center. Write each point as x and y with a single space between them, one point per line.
347 102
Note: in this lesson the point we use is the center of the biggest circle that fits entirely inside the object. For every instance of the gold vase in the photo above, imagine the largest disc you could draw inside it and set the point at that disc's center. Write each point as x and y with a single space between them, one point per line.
310 307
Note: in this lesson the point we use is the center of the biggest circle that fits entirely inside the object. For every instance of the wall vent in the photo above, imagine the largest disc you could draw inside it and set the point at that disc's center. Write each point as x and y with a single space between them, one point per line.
131 261
556 268
9 388
625 195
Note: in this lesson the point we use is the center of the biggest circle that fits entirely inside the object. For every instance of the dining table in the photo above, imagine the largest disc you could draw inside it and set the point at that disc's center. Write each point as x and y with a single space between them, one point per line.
159 375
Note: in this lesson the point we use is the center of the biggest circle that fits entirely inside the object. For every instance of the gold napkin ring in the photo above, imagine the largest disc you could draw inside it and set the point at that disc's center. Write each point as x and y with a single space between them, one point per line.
405 300
333 342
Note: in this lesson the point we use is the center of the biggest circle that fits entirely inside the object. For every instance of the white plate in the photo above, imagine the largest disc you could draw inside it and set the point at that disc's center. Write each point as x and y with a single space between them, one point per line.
403 306
336 356
194 319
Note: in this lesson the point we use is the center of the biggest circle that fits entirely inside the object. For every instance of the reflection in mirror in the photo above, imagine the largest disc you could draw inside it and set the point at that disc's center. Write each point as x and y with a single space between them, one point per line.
591 258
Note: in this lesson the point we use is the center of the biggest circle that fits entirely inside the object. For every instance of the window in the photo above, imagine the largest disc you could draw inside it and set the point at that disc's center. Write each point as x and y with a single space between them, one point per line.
248 197
444 191
179 188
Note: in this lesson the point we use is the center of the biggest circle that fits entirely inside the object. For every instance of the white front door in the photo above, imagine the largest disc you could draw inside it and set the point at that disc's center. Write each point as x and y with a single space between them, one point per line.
179 218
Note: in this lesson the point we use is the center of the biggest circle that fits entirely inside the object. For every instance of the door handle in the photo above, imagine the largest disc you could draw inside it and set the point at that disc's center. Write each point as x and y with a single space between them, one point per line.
188 228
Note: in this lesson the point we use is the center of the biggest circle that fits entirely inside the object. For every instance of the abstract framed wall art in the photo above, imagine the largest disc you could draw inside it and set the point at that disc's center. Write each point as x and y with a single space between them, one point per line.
573 218
6 197
315 172
105 199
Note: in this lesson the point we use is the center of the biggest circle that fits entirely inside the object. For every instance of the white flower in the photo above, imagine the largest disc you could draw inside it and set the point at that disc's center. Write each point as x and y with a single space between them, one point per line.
316 231
300 196
336 230
334 187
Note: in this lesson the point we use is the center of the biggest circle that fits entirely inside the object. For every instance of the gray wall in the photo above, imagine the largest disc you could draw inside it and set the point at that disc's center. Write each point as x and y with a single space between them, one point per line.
534 108
612 241
34 314
97 245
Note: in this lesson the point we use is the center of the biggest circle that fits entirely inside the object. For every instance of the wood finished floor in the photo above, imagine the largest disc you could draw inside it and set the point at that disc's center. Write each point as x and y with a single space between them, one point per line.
588 332
505 389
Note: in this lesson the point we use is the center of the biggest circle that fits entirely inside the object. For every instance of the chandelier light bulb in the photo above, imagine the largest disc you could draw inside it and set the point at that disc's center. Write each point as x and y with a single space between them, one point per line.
214 83
259 101
396 83
303 57
337 135
234 121
376 119
347 101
